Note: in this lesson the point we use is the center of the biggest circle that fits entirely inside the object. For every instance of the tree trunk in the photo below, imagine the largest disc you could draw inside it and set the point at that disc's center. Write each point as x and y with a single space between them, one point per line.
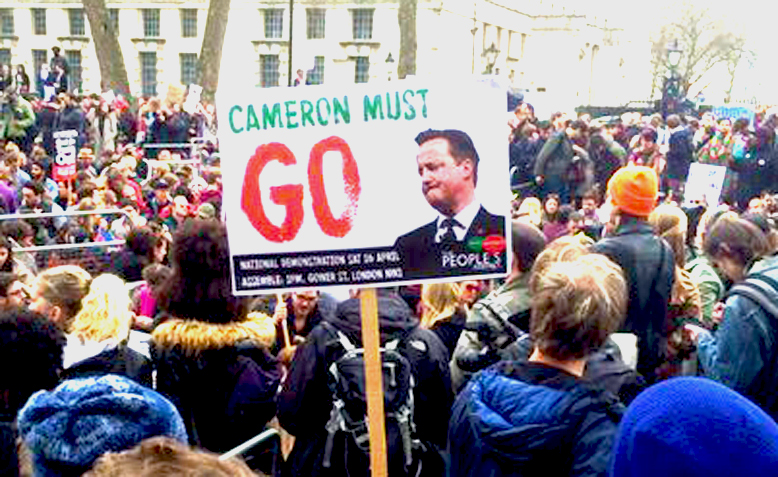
406 15
113 74
210 59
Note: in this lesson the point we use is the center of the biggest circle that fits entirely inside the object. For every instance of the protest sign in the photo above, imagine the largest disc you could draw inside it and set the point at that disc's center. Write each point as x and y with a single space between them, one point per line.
733 113
323 186
65 160
704 184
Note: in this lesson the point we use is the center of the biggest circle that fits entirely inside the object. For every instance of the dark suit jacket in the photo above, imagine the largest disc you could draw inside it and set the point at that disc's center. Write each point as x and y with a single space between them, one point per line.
421 255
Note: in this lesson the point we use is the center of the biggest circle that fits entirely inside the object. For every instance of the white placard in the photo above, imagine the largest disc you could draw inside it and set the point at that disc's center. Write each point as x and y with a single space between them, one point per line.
704 184
320 182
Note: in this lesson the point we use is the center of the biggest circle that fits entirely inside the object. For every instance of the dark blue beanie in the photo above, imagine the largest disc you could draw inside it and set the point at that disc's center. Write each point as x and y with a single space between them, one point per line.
690 427
68 428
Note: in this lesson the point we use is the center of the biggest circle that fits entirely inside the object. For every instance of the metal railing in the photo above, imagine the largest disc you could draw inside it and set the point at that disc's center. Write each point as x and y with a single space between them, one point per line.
93 256
194 146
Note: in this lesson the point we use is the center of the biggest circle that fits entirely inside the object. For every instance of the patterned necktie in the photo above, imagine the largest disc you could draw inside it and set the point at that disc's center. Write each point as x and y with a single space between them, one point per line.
448 237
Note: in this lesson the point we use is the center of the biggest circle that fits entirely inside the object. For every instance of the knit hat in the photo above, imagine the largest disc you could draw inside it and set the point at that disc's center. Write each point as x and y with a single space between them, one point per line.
694 427
68 428
634 190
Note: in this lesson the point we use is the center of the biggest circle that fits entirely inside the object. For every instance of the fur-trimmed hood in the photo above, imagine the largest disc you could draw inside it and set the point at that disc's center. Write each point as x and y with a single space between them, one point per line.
193 336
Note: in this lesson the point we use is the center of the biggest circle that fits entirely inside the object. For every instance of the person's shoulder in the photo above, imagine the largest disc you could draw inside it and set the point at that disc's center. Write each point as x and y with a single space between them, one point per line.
426 231
490 216
492 222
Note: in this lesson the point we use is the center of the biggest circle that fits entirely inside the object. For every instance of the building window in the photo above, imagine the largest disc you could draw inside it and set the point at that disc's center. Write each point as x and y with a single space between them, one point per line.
362 69
188 68
113 19
316 17
73 58
151 25
7 21
5 56
362 23
76 20
38 21
189 23
39 57
274 23
268 70
316 75
148 73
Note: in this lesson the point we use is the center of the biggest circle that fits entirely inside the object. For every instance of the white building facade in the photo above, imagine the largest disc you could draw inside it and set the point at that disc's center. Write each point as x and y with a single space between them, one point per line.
538 45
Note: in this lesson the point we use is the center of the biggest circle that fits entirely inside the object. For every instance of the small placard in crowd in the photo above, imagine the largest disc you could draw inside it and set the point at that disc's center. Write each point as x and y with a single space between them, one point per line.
704 184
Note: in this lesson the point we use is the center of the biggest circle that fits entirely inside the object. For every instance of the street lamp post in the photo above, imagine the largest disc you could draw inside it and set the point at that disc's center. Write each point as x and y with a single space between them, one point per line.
490 55
672 89
389 67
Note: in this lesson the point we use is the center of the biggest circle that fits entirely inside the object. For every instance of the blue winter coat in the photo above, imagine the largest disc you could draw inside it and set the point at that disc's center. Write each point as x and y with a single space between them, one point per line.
527 419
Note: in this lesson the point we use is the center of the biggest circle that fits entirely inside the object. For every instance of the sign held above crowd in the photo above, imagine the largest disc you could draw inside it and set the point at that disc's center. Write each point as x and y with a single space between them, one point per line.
365 185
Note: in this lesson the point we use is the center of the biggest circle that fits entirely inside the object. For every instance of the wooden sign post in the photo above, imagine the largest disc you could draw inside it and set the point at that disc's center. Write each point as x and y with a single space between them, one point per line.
284 325
371 342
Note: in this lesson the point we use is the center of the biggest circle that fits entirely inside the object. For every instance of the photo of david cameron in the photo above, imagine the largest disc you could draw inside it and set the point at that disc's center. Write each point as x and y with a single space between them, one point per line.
448 167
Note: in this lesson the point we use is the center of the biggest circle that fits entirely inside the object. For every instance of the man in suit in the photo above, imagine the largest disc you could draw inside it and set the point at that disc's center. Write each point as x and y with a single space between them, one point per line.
448 167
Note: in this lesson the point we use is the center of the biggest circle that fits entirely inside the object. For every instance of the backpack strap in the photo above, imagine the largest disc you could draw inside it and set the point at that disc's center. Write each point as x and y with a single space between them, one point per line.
392 345
345 342
762 290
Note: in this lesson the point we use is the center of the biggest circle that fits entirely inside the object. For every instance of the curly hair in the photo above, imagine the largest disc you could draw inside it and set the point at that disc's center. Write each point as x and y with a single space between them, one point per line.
163 456
199 288
105 311
31 348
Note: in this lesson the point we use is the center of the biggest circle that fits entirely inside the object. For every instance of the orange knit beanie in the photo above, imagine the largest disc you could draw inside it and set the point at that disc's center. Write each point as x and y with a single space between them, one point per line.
634 190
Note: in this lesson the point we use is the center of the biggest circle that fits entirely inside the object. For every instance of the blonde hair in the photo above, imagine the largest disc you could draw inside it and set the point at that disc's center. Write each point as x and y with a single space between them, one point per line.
576 305
671 223
563 249
440 302
531 211
64 286
105 311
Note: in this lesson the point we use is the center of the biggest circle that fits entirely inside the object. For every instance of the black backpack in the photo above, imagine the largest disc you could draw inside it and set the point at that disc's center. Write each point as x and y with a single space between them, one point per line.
347 429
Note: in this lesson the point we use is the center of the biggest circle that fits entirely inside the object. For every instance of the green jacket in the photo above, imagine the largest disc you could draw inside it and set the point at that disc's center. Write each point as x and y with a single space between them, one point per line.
492 312
710 285
15 121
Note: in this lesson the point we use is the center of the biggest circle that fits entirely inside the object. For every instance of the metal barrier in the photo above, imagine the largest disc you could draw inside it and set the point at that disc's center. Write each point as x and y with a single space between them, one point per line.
93 256
193 146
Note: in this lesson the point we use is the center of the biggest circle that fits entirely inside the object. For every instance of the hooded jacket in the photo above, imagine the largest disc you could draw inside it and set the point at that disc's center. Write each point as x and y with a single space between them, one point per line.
221 377
527 419
305 402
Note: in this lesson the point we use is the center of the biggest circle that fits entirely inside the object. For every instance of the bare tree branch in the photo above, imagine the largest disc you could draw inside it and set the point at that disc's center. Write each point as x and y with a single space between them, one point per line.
705 42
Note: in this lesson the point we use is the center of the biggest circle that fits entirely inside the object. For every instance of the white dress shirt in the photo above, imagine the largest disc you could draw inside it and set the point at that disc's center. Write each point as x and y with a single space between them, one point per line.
463 219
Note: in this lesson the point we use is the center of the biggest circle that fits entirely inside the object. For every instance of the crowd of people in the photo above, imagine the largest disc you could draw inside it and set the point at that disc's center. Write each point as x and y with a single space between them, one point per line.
634 335
572 156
